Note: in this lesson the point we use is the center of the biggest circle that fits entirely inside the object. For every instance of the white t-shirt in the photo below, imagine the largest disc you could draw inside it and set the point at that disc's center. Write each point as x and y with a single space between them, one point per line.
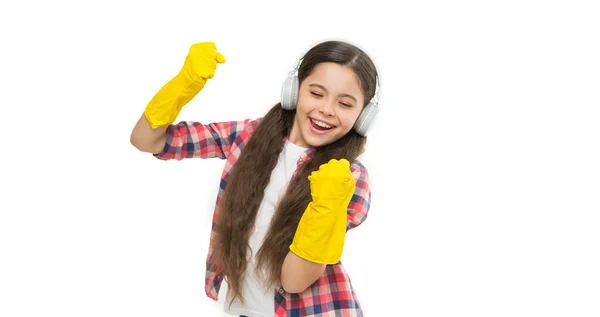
259 301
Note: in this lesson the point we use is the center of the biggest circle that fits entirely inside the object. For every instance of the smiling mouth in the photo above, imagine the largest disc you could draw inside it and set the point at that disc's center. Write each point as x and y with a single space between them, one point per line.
320 125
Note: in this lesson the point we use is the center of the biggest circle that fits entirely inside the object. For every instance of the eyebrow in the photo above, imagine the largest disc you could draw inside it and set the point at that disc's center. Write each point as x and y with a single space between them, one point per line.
323 87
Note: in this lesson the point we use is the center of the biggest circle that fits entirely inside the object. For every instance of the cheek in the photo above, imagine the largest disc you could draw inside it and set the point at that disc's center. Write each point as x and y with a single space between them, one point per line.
302 107
348 117
304 103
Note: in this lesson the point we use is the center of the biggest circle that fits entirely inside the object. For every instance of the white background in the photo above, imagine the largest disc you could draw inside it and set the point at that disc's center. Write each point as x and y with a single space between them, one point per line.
484 164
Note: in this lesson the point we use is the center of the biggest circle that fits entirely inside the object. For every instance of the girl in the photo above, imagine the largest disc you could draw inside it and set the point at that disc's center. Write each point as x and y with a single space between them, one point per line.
291 187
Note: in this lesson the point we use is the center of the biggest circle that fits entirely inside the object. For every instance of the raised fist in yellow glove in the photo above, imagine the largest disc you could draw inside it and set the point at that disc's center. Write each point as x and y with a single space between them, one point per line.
321 232
200 65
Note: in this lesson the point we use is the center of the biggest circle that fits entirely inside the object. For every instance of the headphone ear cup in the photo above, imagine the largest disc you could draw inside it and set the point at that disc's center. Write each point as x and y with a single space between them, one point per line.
366 119
289 93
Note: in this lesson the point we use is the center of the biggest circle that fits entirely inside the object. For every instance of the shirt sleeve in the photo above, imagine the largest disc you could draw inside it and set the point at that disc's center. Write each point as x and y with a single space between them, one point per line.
189 139
360 203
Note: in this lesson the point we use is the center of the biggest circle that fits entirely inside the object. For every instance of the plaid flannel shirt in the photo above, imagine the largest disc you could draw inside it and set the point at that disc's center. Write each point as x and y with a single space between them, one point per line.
332 294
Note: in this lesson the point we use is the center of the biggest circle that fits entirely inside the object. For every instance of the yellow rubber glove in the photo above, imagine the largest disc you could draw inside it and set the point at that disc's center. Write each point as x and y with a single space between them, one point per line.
321 231
199 67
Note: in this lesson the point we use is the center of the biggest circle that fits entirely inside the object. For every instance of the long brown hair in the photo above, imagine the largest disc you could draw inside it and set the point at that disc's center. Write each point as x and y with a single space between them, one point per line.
251 174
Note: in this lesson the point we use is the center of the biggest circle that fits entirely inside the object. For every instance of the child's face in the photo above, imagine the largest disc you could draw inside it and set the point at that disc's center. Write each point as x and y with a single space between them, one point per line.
329 102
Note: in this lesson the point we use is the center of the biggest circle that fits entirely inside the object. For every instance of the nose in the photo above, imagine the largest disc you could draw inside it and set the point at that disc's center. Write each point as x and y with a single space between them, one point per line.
327 108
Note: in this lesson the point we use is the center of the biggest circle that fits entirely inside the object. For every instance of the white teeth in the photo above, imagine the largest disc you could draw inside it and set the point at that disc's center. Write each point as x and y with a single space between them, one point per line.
321 124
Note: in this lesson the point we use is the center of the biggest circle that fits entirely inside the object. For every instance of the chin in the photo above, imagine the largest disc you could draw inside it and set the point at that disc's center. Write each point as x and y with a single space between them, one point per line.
313 142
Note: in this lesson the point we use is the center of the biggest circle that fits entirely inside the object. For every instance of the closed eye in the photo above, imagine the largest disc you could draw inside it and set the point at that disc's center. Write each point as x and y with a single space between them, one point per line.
345 104
316 94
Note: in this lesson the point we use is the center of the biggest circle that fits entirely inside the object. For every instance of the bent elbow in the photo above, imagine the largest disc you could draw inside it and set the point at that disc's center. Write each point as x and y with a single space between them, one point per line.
133 140
137 142
293 288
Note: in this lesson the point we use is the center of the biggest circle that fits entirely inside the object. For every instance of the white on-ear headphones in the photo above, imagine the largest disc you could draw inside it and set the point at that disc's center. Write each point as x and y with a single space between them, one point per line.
366 119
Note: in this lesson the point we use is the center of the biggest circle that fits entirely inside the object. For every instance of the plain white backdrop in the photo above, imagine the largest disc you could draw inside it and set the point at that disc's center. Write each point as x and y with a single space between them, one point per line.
484 162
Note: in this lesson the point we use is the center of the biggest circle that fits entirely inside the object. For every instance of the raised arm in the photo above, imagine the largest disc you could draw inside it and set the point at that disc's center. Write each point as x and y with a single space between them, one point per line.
190 139
150 132
147 139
